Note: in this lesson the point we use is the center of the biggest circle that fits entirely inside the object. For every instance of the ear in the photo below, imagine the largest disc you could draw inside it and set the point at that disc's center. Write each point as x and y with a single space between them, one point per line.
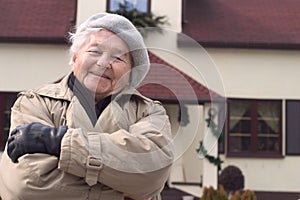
74 57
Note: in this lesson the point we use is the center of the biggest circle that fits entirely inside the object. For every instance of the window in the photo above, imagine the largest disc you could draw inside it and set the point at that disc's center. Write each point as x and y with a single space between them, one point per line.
292 127
6 101
140 5
254 128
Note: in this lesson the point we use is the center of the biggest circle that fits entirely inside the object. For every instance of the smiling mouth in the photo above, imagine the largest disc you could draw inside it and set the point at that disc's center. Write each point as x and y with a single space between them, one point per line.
102 75
106 77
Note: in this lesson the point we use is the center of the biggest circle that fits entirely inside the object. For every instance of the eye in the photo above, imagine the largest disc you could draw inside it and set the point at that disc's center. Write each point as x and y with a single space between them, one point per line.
94 51
118 58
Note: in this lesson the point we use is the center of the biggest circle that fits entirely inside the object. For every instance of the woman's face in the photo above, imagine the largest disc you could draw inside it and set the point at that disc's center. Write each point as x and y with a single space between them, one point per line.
103 64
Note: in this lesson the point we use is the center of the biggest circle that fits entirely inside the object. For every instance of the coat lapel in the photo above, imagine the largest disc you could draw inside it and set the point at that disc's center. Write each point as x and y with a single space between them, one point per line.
77 116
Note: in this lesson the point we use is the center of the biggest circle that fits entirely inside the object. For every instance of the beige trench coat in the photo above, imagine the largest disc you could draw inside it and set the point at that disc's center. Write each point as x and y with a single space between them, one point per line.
128 150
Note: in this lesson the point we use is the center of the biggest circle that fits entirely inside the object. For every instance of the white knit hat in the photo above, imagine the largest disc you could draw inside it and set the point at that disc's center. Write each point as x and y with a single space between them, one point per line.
127 32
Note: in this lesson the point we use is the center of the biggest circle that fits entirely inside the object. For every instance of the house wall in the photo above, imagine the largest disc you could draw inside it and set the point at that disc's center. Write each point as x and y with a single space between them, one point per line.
173 13
257 73
243 73
188 138
26 66
87 8
275 175
262 74
238 73
188 165
158 8
193 60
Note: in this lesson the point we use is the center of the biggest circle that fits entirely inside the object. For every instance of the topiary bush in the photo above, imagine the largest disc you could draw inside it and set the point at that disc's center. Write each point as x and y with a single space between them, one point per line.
232 179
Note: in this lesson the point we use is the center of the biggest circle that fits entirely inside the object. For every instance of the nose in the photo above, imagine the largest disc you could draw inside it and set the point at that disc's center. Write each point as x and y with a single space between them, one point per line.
104 61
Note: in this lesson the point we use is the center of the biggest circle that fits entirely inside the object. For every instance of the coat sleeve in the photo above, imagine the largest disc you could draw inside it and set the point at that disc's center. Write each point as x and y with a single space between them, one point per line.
31 107
31 175
135 161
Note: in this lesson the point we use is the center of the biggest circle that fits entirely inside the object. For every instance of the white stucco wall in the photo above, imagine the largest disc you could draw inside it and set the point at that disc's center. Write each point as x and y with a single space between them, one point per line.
188 167
262 74
87 8
173 12
189 137
26 66
158 8
194 61
244 73
259 73
277 175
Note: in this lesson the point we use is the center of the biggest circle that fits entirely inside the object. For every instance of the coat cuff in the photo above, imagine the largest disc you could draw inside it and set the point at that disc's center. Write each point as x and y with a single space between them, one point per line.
73 154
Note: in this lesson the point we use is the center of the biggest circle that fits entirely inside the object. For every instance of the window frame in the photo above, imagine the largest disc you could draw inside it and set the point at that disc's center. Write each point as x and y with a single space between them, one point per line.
253 152
108 9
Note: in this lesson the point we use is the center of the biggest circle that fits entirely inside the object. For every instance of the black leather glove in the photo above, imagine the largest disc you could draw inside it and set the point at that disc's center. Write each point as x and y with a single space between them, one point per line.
34 138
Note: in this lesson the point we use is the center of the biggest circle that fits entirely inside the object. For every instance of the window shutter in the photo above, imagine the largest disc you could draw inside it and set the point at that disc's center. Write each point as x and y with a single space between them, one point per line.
292 127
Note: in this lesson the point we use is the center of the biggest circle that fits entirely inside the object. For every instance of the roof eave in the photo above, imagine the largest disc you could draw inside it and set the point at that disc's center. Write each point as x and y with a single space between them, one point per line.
182 42
36 40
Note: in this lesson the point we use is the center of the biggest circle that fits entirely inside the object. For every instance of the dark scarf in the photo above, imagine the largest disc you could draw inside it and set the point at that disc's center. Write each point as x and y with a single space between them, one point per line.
87 100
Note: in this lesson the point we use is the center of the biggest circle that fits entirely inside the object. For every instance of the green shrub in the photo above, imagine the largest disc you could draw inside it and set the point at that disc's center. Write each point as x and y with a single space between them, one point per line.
213 194
248 195
209 193
236 196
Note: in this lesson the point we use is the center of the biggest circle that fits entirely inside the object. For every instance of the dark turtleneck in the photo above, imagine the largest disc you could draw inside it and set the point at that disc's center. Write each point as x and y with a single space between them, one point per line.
87 100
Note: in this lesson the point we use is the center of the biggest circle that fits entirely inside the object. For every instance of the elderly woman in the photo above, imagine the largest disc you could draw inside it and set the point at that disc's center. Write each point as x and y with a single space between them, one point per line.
92 135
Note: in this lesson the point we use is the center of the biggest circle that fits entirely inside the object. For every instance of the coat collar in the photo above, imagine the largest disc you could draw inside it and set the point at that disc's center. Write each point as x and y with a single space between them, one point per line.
58 90
61 90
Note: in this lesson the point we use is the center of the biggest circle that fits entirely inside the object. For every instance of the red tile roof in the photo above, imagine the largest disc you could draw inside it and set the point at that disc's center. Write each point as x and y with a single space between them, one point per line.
243 23
166 83
36 20
48 21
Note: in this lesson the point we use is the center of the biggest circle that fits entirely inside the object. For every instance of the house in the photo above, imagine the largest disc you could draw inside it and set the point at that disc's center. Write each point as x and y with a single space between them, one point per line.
255 45
246 51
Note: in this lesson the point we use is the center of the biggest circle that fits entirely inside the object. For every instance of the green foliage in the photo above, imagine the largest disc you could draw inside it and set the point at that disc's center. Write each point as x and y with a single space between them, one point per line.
140 19
209 193
213 126
214 129
214 160
213 194
246 195
236 196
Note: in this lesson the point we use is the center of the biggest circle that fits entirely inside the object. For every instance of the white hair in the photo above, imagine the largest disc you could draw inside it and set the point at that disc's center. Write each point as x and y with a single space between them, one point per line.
78 39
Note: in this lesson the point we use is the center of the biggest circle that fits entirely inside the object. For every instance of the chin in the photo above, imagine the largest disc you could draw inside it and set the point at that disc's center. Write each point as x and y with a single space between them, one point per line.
103 91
